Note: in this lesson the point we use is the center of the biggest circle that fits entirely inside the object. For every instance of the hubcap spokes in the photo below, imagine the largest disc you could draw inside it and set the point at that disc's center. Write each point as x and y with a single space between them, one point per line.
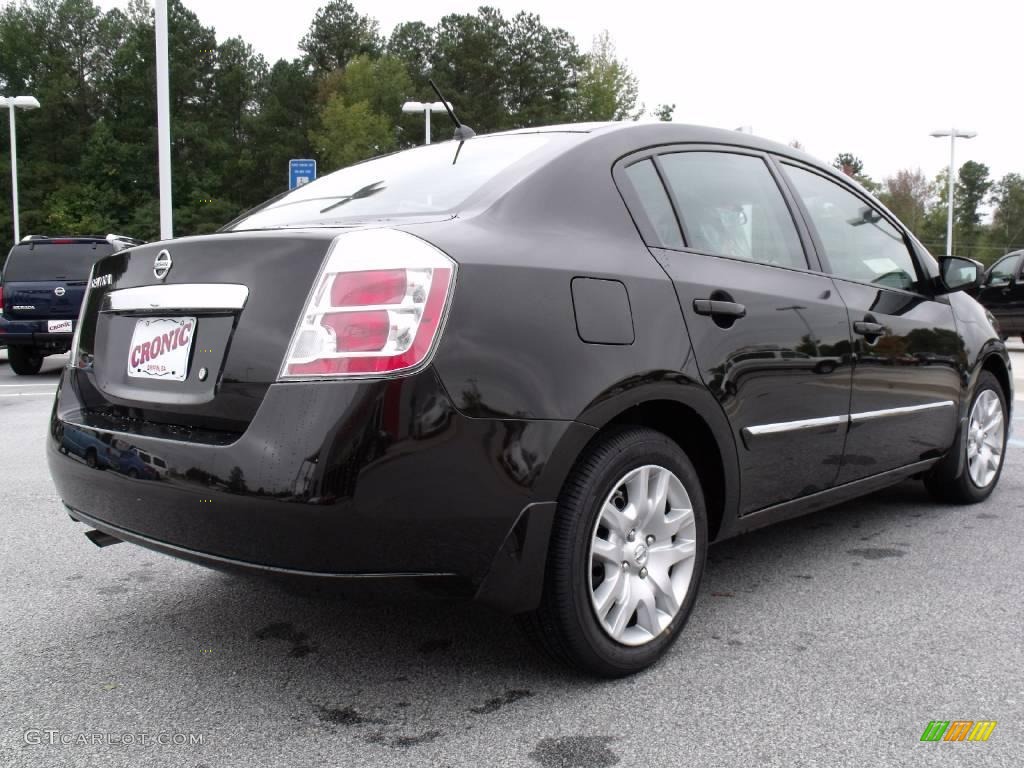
642 555
986 439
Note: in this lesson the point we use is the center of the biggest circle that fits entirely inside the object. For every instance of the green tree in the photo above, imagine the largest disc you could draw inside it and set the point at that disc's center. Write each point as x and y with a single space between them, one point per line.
337 35
664 112
608 90
543 70
470 62
351 132
908 194
972 188
1007 230
853 167
362 106
413 43
279 130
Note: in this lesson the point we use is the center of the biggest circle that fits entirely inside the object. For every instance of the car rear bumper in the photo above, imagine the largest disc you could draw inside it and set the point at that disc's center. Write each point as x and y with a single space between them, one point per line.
343 480
31 333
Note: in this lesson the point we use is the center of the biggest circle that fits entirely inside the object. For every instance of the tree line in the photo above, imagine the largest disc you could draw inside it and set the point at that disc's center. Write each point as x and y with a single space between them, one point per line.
923 205
88 158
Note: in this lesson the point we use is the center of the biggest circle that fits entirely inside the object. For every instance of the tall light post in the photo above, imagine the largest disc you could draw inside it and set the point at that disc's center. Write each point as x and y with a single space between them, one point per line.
953 135
426 107
12 103
163 121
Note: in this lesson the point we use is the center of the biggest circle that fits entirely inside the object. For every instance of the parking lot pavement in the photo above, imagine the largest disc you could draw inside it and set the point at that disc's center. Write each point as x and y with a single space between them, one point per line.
830 640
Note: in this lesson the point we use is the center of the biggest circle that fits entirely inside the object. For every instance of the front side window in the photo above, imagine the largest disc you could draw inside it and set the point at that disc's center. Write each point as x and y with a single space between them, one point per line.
1004 271
731 206
860 244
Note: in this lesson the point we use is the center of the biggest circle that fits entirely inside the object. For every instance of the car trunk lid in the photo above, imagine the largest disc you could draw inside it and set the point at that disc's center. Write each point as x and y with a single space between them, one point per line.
199 346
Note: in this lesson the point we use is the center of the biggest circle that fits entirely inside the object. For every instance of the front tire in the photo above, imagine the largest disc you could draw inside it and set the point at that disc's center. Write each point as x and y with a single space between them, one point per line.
984 449
25 361
626 556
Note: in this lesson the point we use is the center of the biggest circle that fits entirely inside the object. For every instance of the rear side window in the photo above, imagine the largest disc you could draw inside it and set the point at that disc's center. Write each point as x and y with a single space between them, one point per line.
432 179
859 242
53 262
654 200
731 206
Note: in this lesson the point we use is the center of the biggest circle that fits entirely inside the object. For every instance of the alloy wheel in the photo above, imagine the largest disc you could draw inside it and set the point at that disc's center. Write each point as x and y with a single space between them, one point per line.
642 555
986 438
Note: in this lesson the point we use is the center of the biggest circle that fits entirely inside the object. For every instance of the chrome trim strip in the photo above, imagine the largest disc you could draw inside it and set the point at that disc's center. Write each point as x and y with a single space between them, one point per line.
794 426
181 297
829 421
869 415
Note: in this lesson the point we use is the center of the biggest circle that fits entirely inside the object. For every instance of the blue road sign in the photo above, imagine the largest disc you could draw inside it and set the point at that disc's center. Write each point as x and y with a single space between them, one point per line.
301 172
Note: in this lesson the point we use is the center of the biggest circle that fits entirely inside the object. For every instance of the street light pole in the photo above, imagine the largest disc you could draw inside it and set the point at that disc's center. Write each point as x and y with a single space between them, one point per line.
953 134
12 103
163 121
426 108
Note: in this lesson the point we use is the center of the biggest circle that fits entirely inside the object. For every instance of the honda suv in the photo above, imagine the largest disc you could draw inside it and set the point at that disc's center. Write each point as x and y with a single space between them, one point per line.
41 289
528 369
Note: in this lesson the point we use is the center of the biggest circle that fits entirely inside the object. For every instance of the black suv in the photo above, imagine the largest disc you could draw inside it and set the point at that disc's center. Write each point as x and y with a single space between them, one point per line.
41 289
541 369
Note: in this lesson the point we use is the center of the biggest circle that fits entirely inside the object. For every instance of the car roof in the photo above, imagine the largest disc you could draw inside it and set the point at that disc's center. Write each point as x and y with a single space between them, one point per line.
660 131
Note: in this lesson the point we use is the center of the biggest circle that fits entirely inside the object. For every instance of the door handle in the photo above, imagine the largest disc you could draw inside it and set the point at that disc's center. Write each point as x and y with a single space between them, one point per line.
868 328
713 308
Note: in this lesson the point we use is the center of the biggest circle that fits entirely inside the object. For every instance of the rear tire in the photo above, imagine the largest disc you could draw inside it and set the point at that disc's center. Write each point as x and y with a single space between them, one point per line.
983 447
586 617
25 361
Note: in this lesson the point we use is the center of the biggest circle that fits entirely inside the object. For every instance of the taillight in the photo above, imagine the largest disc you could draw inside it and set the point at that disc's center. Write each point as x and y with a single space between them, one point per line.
377 308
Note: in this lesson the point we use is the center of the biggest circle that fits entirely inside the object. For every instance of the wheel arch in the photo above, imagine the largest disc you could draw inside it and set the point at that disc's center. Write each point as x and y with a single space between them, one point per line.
994 364
692 418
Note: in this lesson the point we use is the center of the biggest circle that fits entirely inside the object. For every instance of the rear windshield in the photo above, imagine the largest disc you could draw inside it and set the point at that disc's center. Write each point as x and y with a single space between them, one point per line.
52 262
425 180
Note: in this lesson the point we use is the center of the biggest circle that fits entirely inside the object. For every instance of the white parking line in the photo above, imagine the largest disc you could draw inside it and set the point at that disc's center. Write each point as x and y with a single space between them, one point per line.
28 385
30 394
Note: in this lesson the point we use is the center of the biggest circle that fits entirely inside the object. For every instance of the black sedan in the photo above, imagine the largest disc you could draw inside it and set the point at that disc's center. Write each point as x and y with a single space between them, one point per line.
541 369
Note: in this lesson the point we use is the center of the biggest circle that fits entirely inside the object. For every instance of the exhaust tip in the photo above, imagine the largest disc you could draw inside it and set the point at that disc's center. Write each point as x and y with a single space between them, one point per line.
101 539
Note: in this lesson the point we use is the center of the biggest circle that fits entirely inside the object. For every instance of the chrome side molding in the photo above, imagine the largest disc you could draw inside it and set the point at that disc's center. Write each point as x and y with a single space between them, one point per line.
183 297
794 426
869 415
830 421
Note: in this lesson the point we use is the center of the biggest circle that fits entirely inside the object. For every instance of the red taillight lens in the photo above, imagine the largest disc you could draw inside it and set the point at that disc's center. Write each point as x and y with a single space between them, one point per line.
377 308
363 289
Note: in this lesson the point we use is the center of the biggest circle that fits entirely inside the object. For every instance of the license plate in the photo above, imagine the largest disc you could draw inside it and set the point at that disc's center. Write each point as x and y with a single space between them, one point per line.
160 348
59 326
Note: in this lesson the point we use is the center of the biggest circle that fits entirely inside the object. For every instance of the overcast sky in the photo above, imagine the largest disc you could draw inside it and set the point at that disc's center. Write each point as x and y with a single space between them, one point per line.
869 77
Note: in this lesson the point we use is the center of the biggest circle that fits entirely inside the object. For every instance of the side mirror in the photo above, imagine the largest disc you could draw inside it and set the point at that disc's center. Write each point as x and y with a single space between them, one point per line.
959 274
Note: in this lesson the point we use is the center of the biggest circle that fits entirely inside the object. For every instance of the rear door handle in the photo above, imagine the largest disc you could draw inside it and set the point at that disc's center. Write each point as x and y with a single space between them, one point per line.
713 308
867 328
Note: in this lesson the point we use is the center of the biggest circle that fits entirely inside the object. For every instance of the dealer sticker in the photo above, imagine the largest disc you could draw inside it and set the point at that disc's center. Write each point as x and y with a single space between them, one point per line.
160 348
59 326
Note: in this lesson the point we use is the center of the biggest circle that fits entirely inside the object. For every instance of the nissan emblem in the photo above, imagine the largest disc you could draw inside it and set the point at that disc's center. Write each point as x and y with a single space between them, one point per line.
162 265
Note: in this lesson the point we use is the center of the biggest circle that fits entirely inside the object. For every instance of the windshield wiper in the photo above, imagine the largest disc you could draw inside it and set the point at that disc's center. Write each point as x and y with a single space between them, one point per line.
359 194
